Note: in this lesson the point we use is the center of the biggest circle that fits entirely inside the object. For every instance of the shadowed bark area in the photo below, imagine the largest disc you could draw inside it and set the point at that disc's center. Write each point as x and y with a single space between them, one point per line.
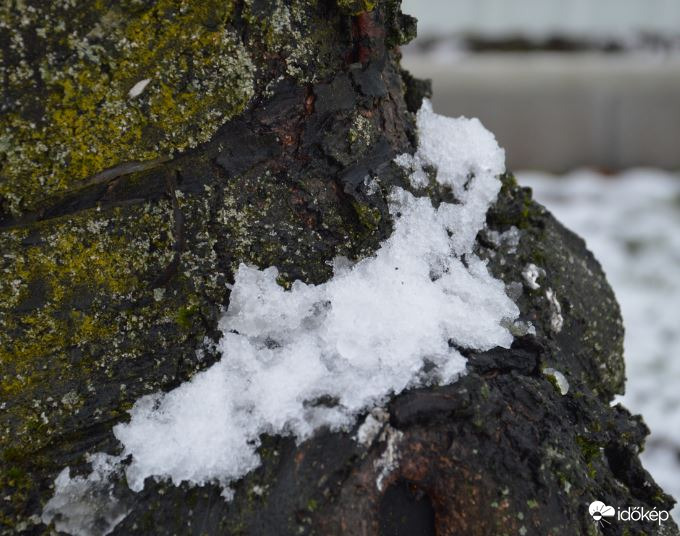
120 235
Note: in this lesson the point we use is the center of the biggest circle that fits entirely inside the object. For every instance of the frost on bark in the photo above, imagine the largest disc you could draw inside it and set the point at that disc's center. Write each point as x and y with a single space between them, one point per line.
149 148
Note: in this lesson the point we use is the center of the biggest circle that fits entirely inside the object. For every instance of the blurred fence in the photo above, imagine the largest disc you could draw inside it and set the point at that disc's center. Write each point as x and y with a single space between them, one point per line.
613 18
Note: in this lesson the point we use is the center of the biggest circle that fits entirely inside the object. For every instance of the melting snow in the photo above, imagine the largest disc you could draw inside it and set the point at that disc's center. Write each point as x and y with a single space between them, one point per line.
85 505
556 319
531 273
389 460
372 426
314 356
509 238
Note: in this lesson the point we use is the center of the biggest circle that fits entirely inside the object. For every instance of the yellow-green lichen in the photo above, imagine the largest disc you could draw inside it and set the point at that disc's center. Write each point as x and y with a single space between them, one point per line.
190 71
362 134
356 7
60 286
369 217
282 30
86 314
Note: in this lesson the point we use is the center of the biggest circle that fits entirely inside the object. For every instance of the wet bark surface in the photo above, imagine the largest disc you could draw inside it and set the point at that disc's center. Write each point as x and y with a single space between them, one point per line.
112 284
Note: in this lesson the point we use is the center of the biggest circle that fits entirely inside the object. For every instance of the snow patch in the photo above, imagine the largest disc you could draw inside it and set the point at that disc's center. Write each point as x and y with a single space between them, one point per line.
317 356
355 340
556 318
509 239
531 273
389 461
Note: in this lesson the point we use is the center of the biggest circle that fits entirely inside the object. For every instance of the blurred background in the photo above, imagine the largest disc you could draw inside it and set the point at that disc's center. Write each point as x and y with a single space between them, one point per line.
584 95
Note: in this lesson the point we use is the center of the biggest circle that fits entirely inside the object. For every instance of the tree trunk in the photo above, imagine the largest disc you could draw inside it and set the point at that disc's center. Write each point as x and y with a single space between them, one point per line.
149 148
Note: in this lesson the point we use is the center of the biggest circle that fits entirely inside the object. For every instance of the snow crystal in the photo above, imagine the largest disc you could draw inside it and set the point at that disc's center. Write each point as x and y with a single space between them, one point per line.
509 238
520 328
467 159
531 273
389 460
371 184
294 361
556 318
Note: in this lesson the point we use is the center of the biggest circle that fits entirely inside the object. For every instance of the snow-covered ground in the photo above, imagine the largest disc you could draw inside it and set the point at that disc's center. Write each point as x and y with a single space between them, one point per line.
631 223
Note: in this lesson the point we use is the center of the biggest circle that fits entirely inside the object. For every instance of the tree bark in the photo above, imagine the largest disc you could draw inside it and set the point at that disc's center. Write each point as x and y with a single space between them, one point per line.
149 148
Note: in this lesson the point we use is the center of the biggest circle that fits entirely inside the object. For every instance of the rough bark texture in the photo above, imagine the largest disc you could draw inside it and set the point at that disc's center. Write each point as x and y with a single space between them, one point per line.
123 219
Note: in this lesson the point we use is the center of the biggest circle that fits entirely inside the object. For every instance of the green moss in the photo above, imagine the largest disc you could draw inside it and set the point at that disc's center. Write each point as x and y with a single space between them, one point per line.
591 452
81 297
185 315
86 120
553 381
81 307
589 449
284 282
72 116
101 307
508 183
521 209
53 292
